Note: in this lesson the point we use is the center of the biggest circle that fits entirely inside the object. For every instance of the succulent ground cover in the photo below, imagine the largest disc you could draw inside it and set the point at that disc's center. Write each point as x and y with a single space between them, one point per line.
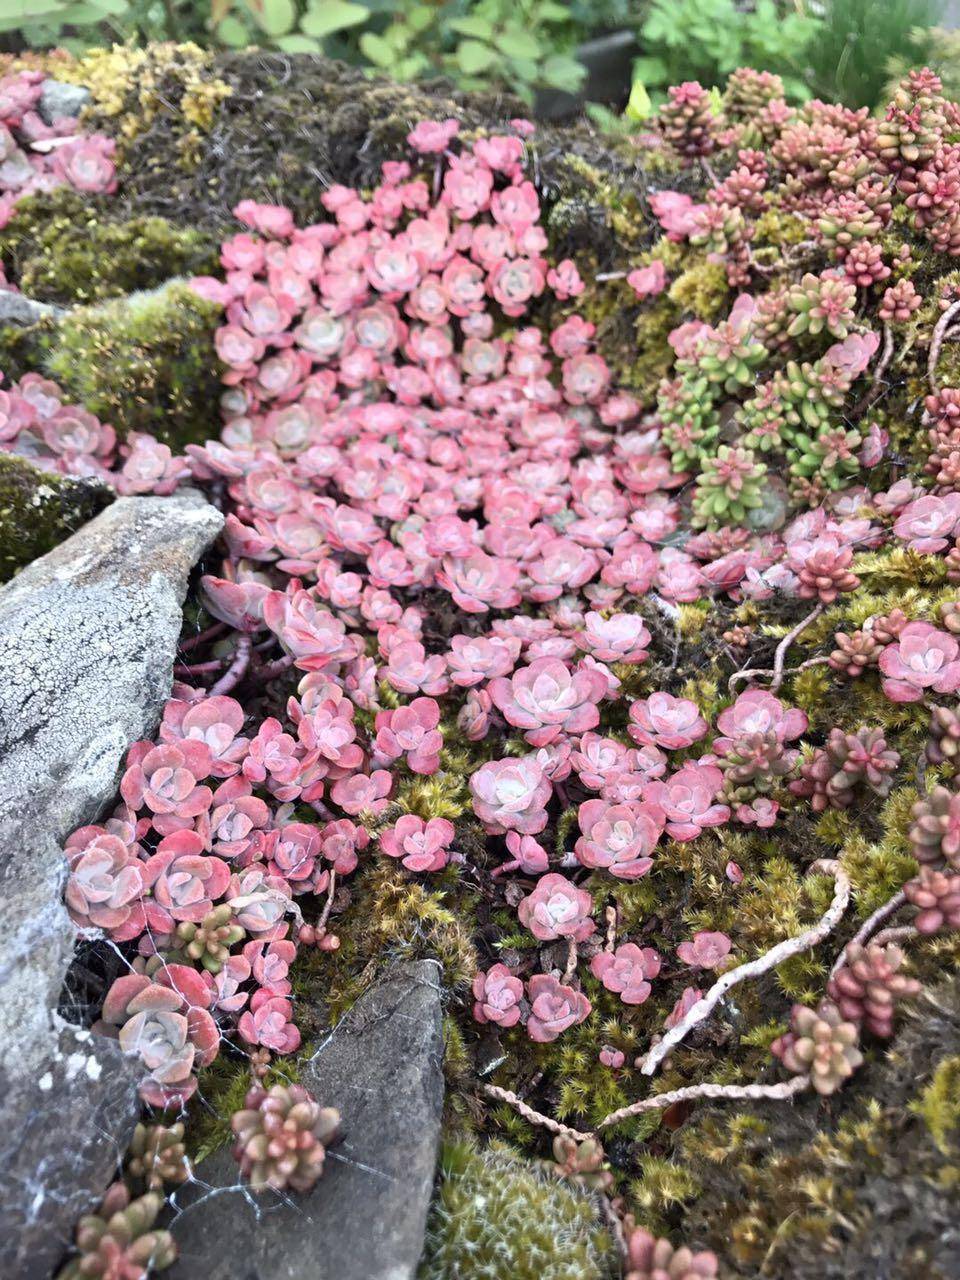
620 673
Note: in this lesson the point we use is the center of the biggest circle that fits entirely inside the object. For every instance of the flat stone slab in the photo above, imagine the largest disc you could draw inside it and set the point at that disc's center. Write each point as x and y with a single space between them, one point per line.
364 1220
88 635
60 99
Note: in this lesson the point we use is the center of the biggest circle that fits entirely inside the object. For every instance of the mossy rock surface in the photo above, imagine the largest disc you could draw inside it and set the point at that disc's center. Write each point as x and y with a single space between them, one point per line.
65 248
39 509
143 363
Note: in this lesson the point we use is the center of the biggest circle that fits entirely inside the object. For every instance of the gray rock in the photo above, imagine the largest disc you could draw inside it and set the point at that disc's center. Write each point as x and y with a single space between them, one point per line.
87 639
15 308
59 99
364 1220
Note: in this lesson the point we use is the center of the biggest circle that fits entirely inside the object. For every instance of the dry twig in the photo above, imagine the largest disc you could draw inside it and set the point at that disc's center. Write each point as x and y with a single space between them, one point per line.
754 968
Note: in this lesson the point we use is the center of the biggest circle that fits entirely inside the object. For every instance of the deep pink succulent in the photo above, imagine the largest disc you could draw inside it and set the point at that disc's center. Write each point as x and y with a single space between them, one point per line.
665 721
166 780
546 699
619 838
166 1024
687 800
620 638
554 1007
105 886
411 732
511 795
758 711
923 657
185 881
268 1023
497 995
706 951
557 909
627 971
421 845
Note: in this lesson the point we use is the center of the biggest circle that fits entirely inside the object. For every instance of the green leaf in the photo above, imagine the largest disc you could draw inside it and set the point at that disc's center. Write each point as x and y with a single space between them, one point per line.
275 17
478 28
517 43
298 44
650 70
115 8
29 12
420 17
325 17
474 57
231 31
376 50
639 106
550 12
607 121
563 72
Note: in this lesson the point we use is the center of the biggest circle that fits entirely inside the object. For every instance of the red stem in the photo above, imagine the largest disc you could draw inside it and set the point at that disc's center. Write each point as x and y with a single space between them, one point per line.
276 668
236 670
201 636
198 668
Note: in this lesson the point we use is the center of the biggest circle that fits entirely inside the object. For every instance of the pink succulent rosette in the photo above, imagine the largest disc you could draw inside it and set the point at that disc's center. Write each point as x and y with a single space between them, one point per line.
557 909
922 658
627 971
554 1008
708 950
758 711
165 1023
665 721
497 995
546 699
106 885
619 838
687 800
420 845
511 795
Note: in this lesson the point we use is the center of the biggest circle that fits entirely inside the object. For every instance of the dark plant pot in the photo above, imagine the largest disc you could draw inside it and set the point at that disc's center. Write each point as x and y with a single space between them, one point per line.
609 63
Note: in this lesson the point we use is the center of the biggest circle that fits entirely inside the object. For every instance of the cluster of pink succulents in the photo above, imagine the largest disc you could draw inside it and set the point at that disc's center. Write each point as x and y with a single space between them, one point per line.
36 422
37 157
448 530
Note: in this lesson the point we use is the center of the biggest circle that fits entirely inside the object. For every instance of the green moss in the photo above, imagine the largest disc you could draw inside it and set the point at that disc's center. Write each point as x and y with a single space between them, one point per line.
863 1184
497 1216
939 1104
702 289
23 347
39 509
60 248
144 363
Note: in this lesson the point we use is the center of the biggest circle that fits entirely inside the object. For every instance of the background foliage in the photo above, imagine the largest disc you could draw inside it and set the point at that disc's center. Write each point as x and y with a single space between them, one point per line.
844 50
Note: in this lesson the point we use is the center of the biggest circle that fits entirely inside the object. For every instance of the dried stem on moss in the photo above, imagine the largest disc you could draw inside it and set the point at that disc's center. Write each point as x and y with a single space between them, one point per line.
321 926
534 1117
571 968
780 656
869 926
695 1092
754 968
876 386
936 342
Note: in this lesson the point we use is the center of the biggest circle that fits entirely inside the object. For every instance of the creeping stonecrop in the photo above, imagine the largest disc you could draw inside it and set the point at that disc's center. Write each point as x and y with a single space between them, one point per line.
485 611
